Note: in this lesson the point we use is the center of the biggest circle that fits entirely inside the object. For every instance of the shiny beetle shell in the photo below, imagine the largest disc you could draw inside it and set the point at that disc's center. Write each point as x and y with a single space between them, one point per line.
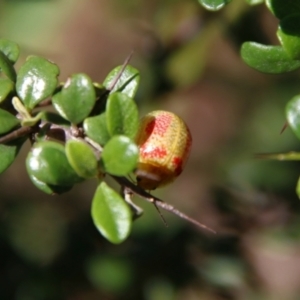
164 142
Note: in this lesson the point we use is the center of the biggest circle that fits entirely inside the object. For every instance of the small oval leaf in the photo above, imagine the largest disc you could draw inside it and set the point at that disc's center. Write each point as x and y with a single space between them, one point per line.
10 49
214 5
76 99
127 83
268 59
6 87
82 158
122 115
48 163
48 188
36 80
8 153
96 129
293 114
110 214
288 35
7 67
120 156
7 121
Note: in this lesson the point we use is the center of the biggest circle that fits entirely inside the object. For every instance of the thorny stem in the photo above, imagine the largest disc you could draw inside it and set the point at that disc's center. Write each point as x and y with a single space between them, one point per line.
158 202
127 186
116 79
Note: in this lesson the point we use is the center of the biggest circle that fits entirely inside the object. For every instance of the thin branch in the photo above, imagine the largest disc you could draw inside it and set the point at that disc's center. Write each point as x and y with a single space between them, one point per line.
22 131
158 202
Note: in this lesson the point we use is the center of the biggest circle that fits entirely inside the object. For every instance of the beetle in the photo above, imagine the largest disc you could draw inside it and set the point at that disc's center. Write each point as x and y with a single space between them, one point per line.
164 142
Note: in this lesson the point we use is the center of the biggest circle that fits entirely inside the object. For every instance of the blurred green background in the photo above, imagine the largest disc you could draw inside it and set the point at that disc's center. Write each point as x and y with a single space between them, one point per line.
189 63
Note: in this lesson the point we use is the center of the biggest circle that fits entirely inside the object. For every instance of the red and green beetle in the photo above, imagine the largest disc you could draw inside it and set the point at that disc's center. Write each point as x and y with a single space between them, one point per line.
164 142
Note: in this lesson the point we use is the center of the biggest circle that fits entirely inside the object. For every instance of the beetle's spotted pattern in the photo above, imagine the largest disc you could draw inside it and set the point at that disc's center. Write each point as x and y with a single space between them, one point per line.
164 143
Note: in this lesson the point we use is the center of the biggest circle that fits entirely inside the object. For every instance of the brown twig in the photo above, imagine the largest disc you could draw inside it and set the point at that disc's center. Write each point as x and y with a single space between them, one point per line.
22 131
158 202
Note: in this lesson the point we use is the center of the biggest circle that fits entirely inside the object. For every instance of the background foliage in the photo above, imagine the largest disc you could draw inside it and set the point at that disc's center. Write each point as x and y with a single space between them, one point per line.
190 64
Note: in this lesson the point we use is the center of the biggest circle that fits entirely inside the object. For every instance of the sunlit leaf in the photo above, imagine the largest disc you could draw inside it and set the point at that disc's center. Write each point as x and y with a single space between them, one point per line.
127 83
36 80
119 156
76 99
111 215
122 115
96 129
48 163
82 158
268 59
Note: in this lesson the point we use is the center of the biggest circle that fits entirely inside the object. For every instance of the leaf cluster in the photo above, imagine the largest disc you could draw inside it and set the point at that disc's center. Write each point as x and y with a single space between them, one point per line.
90 134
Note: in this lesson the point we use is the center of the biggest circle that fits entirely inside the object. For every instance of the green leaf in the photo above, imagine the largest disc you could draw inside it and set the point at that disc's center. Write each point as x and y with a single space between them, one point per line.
82 158
48 188
6 87
268 59
96 129
119 156
48 163
36 80
289 35
54 118
283 8
293 114
122 115
254 2
76 99
298 188
10 49
8 153
7 67
128 82
7 121
110 214
214 5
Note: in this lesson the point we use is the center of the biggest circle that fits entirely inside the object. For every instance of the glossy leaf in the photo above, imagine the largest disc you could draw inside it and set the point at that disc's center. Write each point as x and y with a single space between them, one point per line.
82 158
119 156
213 5
283 8
293 114
76 99
127 83
36 80
289 35
8 153
48 163
96 129
7 121
6 67
48 188
6 87
110 214
268 59
121 115
10 49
